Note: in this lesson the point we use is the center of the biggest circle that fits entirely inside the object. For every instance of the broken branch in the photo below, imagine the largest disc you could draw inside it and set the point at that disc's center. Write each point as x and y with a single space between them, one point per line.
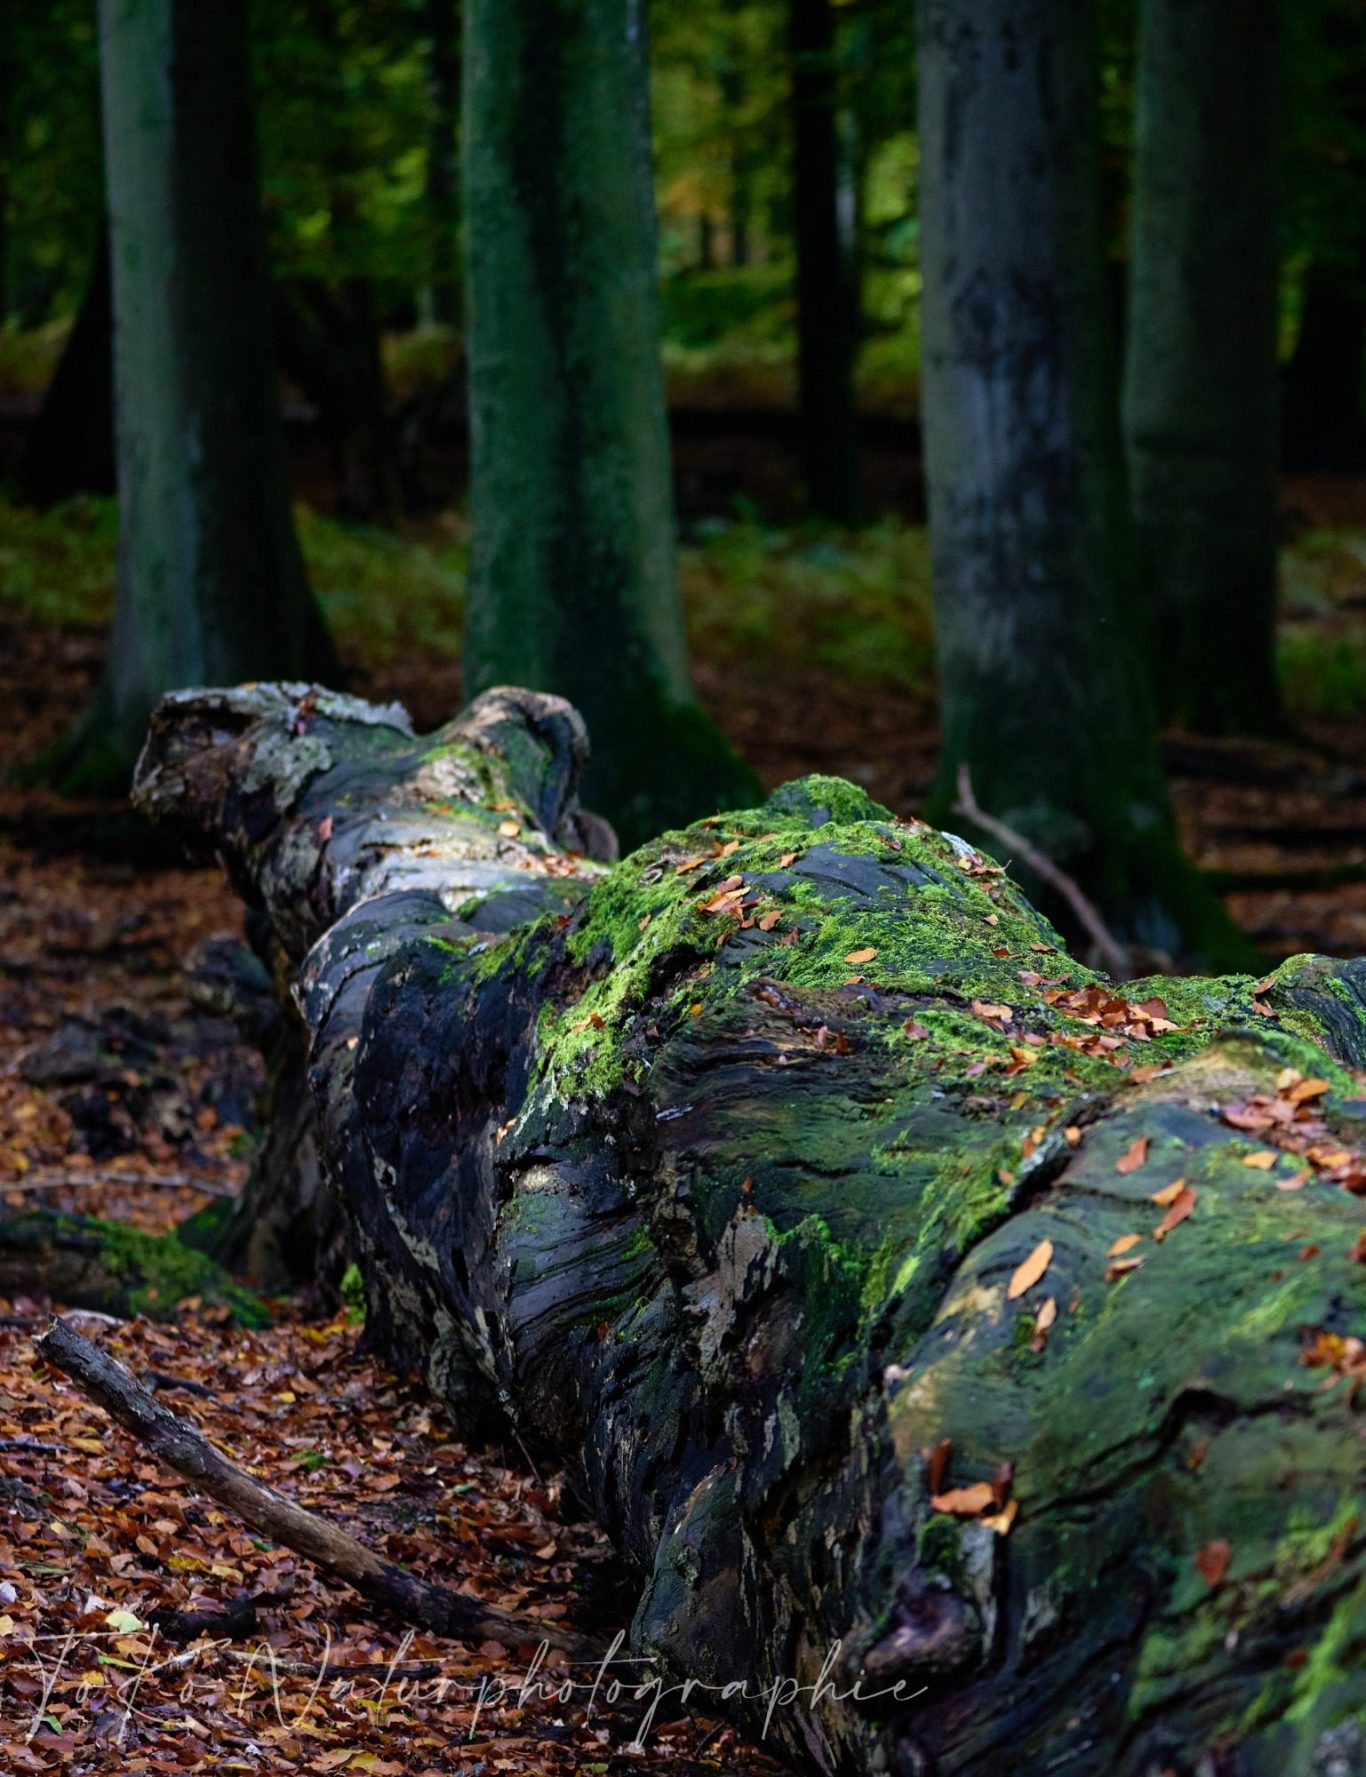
188 1452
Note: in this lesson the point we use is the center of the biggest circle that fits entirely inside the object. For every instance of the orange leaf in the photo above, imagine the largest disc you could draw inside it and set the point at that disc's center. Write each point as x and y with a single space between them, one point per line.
1120 1268
964 1502
939 1464
1134 1156
1125 1243
1213 1560
1169 1193
1001 1521
1043 1320
1180 1209
1263 1161
769 920
865 955
1030 1270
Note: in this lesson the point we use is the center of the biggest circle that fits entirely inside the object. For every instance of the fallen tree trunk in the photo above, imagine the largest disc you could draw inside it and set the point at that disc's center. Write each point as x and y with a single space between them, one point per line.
891 1283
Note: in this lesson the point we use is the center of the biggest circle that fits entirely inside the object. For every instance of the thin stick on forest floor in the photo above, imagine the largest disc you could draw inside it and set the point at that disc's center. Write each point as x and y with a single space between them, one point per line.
1116 957
185 1449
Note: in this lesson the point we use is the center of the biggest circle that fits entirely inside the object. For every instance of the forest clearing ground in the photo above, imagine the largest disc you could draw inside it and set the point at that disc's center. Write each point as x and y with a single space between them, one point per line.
114 1107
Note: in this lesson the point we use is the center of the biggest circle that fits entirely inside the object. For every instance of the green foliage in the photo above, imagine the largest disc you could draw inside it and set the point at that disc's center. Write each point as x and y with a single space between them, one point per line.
856 604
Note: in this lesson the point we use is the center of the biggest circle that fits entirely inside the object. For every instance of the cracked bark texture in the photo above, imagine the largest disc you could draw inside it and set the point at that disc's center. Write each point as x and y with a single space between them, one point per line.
657 1161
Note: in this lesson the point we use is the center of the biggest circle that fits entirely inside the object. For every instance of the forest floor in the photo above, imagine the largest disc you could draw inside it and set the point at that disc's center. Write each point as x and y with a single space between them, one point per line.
120 1097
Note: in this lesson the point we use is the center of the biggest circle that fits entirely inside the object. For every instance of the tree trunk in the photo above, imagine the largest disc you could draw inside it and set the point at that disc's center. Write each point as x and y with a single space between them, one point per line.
1325 414
1200 407
71 448
827 323
211 584
791 1184
573 581
1042 691
443 166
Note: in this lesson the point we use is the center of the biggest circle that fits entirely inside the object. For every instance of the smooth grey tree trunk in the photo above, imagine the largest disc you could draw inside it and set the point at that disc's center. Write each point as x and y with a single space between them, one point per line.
573 582
1042 688
211 584
827 319
1200 386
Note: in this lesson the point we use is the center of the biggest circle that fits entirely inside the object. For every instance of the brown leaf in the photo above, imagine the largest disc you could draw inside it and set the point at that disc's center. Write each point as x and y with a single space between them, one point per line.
1001 1521
1181 1207
1262 1161
1120 1268
1126 1243
1028 1272
1134 1156
1043 1320
1213 1560
964 1502
1169 1193
768 920
865 955
939 1464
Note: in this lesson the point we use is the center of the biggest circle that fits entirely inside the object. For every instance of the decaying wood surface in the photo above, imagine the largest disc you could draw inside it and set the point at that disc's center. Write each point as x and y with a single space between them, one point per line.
920 1312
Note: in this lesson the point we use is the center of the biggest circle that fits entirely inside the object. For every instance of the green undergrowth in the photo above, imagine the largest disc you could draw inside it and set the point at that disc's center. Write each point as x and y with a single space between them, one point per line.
855 603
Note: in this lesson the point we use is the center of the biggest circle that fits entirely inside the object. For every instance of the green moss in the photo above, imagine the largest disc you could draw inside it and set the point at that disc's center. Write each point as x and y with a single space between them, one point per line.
159 1272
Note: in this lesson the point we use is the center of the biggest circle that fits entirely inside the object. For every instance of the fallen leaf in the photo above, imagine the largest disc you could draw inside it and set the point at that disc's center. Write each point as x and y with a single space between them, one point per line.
1182 1205
1028 1272
1001 1521
938 1468
1263 1161
1134 1156
509 829
1125 1244
964 1502
1169 1193
865 955
1213 1560
1120 1268
1043 1320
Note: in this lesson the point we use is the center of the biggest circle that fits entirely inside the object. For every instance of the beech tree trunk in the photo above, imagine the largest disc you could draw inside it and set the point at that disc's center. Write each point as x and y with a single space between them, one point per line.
211 583
1200 389
573 583
791 1183
1042 688
827 279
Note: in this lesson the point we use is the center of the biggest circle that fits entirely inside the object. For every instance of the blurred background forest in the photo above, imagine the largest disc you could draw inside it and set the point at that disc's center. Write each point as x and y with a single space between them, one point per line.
787 172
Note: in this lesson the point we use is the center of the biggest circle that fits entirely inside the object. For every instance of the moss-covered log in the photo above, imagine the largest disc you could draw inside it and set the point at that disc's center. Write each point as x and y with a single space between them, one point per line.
892 1283
85 1262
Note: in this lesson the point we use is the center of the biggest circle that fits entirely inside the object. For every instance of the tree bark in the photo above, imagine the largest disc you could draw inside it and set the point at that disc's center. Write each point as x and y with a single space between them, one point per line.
1042 689
783 1180
442 22
827 319
71 448
1324 410
211 583
1200 394
573 582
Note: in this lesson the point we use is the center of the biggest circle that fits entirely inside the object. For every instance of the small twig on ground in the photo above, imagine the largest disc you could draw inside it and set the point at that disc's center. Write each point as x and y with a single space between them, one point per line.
1116 957
186 1450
